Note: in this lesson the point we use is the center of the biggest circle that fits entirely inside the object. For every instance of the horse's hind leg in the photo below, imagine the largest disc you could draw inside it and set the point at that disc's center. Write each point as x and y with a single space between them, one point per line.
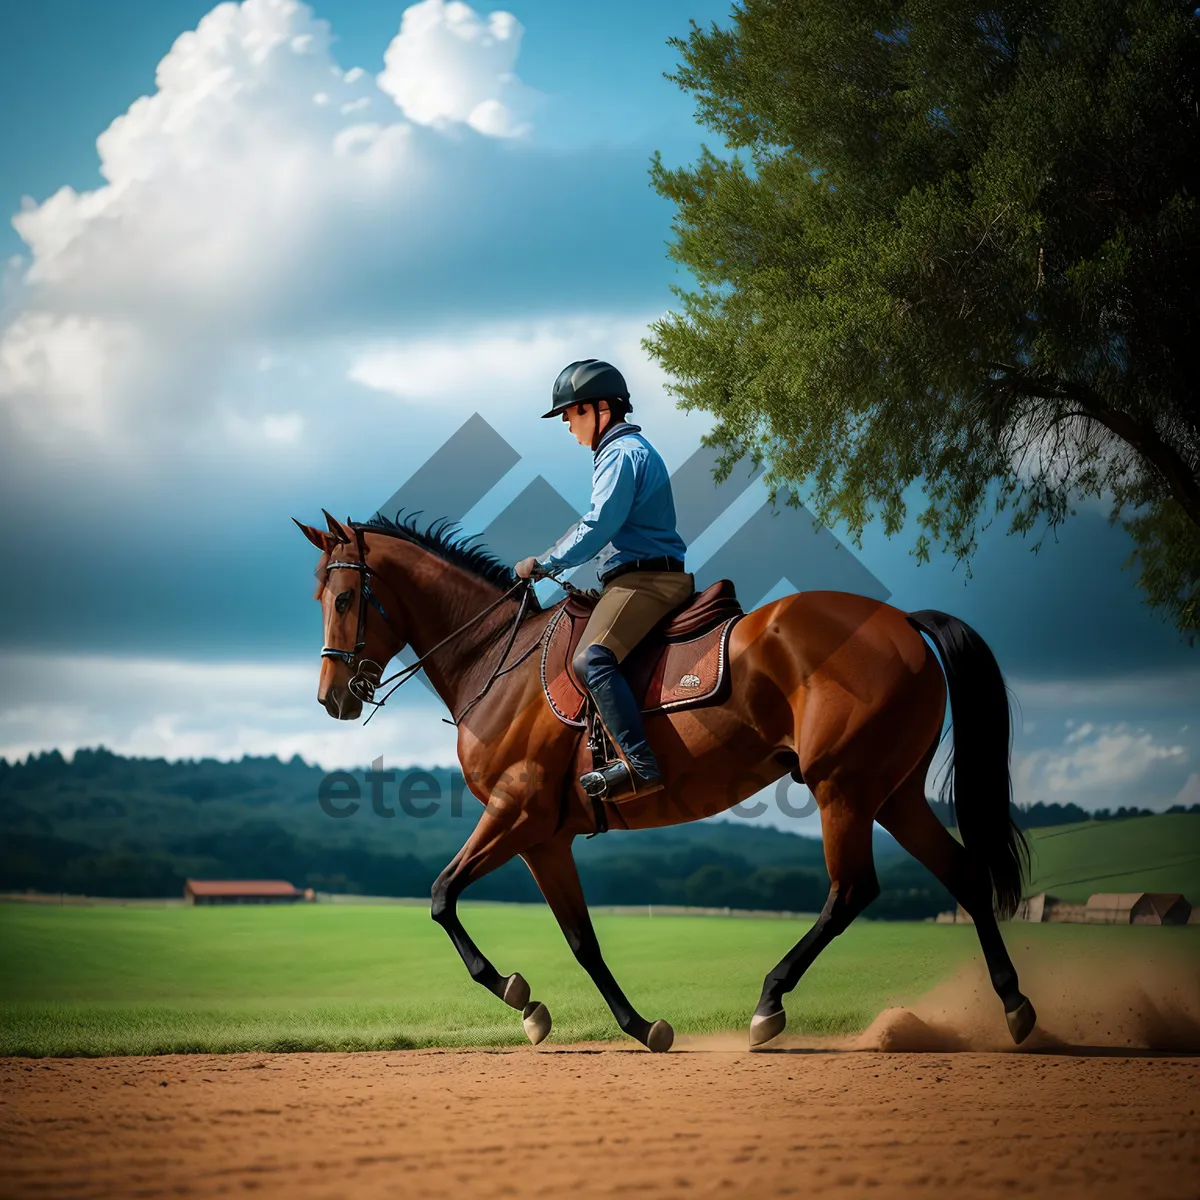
846 830
908 818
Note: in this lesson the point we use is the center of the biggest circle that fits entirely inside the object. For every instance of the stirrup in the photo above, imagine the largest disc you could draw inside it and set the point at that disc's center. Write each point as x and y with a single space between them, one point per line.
614 781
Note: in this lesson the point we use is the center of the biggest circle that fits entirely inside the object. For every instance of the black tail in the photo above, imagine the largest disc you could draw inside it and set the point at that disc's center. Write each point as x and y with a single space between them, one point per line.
978 783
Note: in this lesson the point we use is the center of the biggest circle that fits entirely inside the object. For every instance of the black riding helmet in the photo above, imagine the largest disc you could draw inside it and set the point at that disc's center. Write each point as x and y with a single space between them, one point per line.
589 379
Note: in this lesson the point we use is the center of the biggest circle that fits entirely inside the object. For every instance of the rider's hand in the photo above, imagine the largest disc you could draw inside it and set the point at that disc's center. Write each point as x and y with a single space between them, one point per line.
526 567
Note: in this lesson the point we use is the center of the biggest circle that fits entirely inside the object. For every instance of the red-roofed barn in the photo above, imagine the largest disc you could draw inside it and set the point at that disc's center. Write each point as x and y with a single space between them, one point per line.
243 891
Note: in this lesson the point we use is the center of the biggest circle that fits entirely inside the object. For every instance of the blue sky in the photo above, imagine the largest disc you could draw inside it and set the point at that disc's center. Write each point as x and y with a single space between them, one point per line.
293 281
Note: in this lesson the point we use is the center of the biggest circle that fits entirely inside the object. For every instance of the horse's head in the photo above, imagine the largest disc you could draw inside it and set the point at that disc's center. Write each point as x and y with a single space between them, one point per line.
358 640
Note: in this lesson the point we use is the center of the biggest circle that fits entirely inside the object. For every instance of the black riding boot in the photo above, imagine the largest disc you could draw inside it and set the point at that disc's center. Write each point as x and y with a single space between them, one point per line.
619 711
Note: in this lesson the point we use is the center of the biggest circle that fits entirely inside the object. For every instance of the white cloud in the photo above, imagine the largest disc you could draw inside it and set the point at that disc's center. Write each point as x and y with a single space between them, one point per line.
180 709
73 373
448 64
1101 766
507 359
219 187
506 370
220 179
432 370
1115 756
257 190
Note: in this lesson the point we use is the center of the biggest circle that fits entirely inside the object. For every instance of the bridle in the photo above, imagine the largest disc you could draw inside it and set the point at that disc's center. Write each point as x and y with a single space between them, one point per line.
366 678
362 683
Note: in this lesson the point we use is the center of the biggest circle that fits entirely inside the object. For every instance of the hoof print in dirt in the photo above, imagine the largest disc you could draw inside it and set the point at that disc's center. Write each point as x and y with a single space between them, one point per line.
536 1019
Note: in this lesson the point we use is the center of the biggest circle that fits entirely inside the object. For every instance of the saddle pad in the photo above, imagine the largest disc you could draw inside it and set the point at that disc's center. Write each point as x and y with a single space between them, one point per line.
661 675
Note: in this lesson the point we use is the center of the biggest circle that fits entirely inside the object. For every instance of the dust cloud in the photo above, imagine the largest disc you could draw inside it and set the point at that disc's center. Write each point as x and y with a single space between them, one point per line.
1126 1001
1100 997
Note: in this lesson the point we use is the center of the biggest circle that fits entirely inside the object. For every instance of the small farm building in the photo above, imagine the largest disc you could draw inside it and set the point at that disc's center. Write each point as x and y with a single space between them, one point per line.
1103 908
243 891
1161 908
1138 908
1039 908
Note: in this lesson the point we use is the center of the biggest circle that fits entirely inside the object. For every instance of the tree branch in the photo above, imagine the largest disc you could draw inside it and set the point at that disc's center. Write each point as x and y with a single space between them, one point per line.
1144 438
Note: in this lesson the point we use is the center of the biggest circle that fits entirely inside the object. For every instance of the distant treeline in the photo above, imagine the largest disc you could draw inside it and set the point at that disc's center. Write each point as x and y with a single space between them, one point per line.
1041 816
105 825
694 875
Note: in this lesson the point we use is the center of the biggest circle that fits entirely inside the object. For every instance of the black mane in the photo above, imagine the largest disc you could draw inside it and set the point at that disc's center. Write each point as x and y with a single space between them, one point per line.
439 539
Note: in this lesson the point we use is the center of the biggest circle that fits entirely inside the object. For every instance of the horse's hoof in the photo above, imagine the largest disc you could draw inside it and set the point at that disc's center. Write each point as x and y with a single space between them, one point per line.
516 991
536 1021
763 1029
1021 1021
660 1037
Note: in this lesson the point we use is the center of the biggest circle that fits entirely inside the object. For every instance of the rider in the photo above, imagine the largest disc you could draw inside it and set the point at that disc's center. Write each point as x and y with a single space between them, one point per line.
643 578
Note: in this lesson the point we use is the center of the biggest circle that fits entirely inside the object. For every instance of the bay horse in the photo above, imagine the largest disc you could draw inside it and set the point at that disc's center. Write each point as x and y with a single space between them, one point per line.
839 689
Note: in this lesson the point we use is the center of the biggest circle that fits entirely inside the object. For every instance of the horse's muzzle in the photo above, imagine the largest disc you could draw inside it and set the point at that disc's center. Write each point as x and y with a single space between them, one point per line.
340 704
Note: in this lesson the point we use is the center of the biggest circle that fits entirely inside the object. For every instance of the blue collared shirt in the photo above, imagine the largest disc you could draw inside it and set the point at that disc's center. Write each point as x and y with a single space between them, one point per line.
632 507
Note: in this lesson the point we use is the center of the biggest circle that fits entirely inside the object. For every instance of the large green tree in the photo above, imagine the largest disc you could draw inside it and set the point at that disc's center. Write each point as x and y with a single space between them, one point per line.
954 243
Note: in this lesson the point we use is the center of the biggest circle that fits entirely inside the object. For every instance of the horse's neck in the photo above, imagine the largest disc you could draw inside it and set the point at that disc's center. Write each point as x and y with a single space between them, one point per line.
437 599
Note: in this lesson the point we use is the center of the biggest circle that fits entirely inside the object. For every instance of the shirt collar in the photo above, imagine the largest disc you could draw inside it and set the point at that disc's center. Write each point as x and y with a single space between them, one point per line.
613 432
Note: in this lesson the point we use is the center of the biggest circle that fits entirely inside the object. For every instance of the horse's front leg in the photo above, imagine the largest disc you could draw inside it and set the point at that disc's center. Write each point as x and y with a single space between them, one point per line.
497 838
553 868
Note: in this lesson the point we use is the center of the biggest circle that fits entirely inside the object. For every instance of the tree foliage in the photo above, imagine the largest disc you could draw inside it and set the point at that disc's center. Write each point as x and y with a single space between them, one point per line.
958 244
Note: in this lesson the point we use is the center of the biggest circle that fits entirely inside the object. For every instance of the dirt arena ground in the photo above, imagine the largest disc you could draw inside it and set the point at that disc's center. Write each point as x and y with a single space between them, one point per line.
1102 1101
602 1121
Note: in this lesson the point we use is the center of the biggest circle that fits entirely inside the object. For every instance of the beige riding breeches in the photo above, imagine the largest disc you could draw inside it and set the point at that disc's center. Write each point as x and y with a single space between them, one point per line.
631 605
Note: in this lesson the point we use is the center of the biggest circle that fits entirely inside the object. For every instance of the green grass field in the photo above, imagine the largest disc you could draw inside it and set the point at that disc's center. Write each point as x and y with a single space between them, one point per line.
114 980
1142 854
110 980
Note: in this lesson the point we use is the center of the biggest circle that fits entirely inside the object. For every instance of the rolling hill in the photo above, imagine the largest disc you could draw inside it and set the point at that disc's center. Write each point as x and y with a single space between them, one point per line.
1139 854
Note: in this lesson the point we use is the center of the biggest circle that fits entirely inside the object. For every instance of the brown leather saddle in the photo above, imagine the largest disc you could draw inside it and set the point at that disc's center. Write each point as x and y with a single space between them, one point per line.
681 663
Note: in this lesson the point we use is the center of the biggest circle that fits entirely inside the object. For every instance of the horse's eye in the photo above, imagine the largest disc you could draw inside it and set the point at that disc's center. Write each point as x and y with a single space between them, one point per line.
343 601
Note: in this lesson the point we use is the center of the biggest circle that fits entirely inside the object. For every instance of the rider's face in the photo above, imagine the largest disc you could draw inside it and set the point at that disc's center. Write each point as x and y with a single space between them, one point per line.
582 420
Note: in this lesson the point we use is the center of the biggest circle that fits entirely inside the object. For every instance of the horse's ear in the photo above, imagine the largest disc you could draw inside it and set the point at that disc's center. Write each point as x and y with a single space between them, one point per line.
323 541
339 531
